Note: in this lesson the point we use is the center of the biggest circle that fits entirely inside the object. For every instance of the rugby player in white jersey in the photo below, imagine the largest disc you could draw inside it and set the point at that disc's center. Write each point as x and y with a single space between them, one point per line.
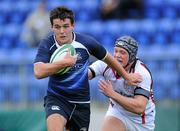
131 108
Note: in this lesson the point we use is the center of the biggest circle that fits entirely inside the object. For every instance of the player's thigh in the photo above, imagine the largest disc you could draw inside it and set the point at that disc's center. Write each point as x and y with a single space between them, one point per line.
56 122
80 118
112 124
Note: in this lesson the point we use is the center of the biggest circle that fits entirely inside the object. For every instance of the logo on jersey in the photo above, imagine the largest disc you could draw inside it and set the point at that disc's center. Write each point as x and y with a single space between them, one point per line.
55 108
83 129
79 57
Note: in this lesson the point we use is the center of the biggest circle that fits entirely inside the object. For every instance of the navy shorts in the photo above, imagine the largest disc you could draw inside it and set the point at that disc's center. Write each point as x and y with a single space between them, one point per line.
76 114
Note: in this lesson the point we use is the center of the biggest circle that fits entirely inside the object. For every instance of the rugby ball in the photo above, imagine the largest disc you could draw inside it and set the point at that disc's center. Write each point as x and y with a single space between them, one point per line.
60 53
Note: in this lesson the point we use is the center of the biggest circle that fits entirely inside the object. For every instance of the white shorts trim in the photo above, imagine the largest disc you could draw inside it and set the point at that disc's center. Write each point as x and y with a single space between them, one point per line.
80 102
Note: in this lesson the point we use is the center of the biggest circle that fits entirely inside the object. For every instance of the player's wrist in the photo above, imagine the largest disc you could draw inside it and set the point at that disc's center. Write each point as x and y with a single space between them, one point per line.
127 76
61 64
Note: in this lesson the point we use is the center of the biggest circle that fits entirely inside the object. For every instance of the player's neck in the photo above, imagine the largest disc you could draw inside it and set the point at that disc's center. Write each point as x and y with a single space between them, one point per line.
128 67
71 38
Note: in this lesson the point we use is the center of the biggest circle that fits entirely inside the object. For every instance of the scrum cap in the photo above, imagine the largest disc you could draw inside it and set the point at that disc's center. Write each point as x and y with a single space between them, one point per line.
130 45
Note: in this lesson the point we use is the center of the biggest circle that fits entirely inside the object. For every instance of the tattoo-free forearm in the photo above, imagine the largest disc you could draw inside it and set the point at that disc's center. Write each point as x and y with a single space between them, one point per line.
113 63
135 104
42 70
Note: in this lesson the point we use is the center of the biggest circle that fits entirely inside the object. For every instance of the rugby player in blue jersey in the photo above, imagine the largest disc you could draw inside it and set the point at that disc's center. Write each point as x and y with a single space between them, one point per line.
67 103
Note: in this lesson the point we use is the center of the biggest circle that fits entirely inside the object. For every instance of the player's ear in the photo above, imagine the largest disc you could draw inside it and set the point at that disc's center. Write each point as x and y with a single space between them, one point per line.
73 25
52 28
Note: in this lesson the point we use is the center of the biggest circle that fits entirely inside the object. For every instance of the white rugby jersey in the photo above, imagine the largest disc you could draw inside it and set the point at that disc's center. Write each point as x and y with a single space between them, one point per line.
120 86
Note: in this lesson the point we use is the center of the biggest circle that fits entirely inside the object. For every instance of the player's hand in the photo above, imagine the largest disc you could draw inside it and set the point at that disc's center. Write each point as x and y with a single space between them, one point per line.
71 60
134 79
106 88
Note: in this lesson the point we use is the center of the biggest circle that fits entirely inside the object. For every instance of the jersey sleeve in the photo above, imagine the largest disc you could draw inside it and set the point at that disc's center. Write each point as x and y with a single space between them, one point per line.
96 49
43 52
147 80
98 67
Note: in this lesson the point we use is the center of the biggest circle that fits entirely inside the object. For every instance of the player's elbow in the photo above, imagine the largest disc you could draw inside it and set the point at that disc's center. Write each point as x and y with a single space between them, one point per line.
139 109
37 75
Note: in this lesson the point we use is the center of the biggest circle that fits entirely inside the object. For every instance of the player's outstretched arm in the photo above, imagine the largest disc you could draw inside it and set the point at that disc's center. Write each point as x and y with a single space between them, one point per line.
133 78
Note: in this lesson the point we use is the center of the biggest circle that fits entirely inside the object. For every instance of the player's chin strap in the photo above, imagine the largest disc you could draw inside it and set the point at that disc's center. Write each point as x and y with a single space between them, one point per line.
126 65
132 66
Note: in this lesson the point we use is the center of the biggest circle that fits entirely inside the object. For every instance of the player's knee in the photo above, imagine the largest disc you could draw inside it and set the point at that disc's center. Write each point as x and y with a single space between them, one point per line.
56 122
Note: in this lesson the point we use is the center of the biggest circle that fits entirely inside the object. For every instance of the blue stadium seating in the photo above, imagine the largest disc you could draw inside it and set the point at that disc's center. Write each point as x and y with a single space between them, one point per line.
54 4
17 55
36 89
159 92
172 51
176 38
175 92
5 43
95 29
152 14
160 38
166 78
108 41
143 39
11 87
130 27
169 65
177 25
113 28
148 28
10 35
153 9
2 18
91 8
95 92
170 13
158 35
152 65
80 27
2 92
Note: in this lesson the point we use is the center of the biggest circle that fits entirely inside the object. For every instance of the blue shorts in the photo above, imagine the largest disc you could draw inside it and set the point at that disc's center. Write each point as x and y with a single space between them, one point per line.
76 114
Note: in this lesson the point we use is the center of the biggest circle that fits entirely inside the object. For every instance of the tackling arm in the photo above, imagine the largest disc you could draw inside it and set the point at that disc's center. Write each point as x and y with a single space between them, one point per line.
136 104
133 79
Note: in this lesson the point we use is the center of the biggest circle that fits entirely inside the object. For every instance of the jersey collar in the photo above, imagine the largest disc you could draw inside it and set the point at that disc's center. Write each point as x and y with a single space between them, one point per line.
56 43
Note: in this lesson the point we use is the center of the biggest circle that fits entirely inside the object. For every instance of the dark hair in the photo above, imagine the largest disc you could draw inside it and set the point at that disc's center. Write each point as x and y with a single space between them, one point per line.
62 13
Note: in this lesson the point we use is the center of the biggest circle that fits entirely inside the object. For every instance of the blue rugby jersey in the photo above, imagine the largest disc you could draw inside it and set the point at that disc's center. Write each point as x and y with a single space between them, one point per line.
73 85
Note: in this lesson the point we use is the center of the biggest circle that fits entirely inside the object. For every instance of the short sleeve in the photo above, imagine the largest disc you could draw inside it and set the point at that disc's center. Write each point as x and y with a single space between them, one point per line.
97 50
93 46
43 54
98 67
147 80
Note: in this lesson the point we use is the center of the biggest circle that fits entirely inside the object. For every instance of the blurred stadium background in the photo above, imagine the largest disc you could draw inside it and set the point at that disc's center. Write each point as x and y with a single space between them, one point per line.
21 95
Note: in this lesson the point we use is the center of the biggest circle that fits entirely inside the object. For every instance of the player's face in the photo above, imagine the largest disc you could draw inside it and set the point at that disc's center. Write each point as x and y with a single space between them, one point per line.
121 55
63 30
